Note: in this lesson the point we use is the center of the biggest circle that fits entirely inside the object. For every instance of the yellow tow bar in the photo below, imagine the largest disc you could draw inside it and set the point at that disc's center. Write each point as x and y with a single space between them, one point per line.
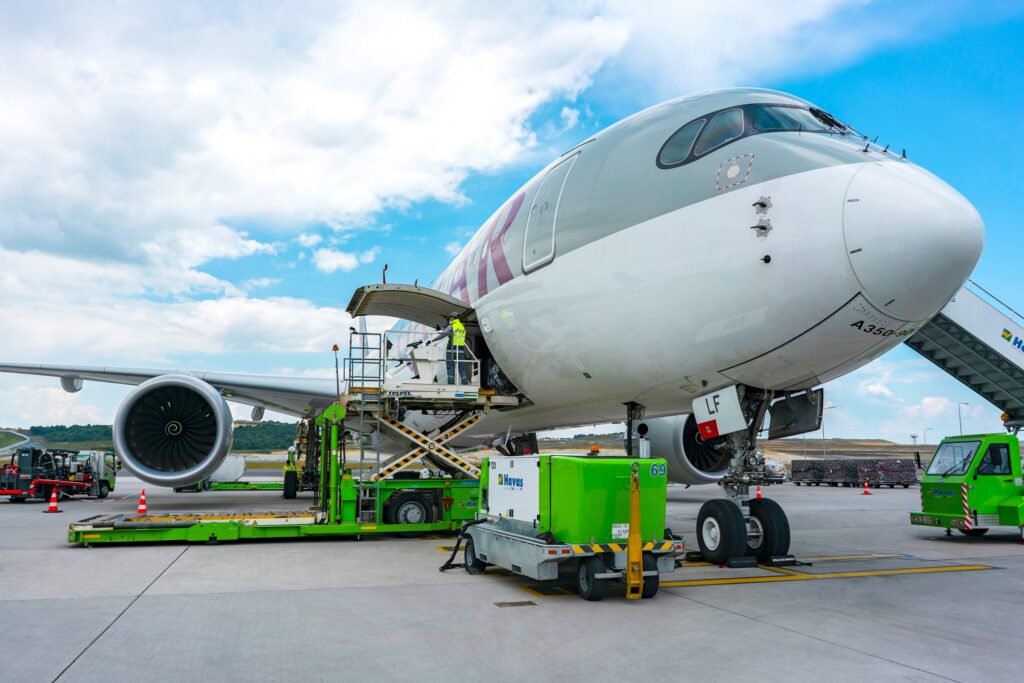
634 546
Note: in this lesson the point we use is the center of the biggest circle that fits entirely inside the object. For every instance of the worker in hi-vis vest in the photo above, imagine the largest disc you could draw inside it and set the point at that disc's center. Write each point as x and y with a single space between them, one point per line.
457 349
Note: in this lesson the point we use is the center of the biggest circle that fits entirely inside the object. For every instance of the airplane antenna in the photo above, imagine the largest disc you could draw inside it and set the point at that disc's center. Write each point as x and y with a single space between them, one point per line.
416 282
875 140
886 150
384 275
904 152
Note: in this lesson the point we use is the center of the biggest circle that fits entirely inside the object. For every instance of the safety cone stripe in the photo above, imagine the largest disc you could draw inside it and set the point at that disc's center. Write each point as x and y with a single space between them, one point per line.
53 507
142 503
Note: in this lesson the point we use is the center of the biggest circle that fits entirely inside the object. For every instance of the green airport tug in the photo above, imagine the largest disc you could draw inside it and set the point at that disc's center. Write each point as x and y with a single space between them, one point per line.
973 483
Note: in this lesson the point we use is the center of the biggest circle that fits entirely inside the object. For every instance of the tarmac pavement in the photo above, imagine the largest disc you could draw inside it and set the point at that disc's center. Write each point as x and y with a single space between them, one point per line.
881 600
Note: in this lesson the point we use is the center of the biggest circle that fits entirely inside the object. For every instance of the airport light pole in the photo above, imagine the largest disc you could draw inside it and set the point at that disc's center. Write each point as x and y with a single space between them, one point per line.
924 435
823 428
960 416
914 437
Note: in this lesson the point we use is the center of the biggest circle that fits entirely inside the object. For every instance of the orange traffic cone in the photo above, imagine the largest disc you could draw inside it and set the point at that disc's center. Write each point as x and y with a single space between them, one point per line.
52 507
866 492
758 492
142 503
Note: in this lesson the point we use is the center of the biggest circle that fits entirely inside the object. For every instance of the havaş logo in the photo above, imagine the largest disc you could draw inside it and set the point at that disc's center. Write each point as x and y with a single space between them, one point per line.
1011 338
510 482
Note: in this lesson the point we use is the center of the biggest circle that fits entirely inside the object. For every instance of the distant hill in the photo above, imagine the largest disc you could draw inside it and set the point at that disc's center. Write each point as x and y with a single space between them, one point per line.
249 436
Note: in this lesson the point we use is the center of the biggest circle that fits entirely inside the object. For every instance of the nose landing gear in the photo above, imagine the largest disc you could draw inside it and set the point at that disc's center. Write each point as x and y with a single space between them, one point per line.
739 525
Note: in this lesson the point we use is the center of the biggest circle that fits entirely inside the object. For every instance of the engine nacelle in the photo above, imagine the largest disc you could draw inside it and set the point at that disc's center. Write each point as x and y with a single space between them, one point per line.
691 458
173 430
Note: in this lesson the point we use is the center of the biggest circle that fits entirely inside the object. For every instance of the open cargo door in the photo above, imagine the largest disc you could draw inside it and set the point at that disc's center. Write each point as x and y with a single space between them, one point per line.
411 302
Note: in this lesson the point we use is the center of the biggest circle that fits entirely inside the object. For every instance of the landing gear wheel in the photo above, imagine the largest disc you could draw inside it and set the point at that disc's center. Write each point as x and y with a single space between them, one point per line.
472 563
587 584
410 508
769 530
104 490
973 532
651 583
721 531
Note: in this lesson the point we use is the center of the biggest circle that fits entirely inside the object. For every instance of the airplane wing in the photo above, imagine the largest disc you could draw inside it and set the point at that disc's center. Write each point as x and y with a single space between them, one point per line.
297 396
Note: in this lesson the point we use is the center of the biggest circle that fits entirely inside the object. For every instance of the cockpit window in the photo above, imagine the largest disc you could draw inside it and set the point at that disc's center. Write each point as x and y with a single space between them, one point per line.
716 129
771 118
677 148
725 126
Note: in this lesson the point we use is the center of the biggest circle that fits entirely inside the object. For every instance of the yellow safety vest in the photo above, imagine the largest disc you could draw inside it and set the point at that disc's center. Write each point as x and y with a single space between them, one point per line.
458 333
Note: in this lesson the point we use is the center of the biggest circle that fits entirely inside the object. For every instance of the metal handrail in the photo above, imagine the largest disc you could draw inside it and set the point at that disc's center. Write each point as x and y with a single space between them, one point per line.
398 349
1007 307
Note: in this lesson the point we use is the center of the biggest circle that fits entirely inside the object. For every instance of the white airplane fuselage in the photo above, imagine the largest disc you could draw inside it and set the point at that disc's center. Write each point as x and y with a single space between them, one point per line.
861 248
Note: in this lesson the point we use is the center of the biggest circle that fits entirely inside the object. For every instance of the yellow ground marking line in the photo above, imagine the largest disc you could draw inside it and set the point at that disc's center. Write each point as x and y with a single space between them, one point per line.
781 576
779 570
797 576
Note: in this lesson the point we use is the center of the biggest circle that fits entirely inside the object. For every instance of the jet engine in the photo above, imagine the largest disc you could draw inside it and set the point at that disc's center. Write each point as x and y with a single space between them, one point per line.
691 458
173 430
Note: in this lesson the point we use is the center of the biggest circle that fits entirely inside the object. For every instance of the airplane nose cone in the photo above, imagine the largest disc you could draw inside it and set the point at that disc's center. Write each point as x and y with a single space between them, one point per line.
912 239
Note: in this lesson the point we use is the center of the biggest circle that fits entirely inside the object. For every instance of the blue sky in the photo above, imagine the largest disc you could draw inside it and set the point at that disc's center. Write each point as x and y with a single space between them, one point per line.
204 188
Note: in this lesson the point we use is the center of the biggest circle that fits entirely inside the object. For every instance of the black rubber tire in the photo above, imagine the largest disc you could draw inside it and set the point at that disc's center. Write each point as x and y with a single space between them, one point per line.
973 532
775 528
18 499
104 490
471 563
906 486
399 508
651 583
731 528
796 483
291 485
589 587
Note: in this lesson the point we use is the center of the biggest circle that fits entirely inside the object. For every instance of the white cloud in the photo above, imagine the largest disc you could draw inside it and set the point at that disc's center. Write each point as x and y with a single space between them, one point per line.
678 48
928 408
876 389
570 117
331 260
453 248
25 405
259 283
369 255
308 240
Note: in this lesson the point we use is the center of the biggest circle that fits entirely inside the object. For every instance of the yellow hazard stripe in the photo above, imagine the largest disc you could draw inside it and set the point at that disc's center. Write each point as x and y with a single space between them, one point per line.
620 547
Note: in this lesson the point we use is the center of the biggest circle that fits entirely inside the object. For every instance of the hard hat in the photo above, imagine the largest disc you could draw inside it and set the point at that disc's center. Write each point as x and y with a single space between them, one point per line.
453 314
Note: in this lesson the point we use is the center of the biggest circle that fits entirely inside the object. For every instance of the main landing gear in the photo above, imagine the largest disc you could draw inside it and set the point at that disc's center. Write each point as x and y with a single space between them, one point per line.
739 525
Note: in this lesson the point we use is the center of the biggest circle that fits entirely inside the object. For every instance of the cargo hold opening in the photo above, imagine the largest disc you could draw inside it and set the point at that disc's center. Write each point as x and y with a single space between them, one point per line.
430 308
